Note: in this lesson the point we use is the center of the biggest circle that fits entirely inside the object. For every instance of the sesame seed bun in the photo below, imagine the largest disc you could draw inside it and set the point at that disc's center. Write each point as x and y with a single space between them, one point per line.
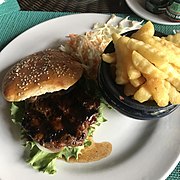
43 72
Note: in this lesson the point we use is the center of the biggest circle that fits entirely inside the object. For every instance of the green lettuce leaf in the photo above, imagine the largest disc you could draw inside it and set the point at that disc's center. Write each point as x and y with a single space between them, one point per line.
68 152
41 160
17 112
100 119
44 161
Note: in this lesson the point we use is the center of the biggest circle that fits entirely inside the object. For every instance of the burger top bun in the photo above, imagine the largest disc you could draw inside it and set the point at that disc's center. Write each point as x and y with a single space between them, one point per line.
43 72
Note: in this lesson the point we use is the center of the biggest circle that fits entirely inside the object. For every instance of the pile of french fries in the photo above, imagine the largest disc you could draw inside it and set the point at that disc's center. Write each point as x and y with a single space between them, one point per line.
148 66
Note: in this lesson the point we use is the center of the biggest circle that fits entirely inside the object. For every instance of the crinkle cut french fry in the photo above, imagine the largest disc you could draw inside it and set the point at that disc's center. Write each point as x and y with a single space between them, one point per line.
159 91
132 72
176 68
175 82
173 75
121 72
172 52
115 37
173 38
174 95
168 44
147 29
153 55
142 94
137 82
109 57
145 67
170 70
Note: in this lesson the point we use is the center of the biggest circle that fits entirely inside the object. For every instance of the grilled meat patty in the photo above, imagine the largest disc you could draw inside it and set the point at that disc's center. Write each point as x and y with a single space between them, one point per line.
61 118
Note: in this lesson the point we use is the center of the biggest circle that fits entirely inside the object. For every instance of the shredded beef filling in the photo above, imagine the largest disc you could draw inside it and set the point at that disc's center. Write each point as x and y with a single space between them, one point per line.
61 119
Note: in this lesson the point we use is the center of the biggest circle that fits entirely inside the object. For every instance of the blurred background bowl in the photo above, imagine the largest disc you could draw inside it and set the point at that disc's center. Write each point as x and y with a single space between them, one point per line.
114 94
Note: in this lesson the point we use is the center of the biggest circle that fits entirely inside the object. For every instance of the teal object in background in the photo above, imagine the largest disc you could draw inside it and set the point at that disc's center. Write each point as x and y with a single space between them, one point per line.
9 6
13 24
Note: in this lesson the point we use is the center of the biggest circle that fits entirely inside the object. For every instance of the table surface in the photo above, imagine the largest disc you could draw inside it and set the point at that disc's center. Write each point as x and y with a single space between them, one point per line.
92 6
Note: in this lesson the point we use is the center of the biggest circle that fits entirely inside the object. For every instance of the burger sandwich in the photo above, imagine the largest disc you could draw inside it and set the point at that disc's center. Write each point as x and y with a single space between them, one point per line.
56 107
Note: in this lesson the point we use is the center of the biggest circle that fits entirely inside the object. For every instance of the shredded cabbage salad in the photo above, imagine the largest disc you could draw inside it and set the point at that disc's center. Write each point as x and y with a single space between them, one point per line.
87 48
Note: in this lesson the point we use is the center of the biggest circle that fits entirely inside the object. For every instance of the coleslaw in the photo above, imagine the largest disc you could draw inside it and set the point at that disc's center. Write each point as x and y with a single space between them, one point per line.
87 48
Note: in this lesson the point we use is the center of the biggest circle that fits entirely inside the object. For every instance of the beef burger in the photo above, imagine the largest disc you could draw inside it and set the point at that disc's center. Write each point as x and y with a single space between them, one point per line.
57 106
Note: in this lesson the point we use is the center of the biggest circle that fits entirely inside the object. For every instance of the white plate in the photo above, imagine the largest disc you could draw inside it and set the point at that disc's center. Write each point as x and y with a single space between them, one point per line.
138 7
142 150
